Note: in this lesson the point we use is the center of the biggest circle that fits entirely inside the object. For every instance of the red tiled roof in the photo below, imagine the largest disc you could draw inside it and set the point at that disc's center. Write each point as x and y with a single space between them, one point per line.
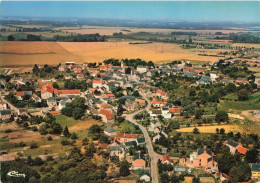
175 110
139 163
103 146
66 91
165 158
242 150
21 93
47 88
102 66
160 92
109 115
80 75
128 135
54 112
157 102
98 81
110 95
77 70
105 105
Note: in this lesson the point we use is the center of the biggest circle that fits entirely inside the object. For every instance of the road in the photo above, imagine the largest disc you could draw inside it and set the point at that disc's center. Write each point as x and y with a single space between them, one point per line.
153 155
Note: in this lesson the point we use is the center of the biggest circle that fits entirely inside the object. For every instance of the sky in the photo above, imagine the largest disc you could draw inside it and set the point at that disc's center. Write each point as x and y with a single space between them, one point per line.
235 11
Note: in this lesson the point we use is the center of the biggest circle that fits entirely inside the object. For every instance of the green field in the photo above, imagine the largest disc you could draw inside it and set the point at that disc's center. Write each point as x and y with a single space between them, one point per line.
252 103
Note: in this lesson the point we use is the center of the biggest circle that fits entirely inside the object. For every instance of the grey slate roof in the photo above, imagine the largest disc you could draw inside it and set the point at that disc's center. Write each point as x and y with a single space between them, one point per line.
232 143
5 112
110 130
202 150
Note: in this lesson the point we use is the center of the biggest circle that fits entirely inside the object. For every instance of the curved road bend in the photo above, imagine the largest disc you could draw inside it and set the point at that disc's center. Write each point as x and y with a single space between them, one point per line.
153 155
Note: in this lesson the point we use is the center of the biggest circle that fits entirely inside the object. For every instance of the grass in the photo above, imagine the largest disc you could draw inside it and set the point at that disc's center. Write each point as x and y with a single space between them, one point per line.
127 127
252 103
66 121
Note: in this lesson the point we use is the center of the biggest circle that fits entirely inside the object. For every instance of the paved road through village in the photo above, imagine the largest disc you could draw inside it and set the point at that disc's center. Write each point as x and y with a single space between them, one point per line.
153 155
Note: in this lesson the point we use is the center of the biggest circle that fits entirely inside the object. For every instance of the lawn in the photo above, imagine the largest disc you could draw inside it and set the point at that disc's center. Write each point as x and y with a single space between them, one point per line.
66 121
127 127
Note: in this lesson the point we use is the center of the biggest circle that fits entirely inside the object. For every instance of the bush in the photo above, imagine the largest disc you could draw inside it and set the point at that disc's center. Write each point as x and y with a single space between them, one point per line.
8 131
49 158
74 136
34 145
65 142
49 138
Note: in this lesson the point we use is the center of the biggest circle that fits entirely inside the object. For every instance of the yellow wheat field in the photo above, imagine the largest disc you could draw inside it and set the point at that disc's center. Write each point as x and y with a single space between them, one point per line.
19 53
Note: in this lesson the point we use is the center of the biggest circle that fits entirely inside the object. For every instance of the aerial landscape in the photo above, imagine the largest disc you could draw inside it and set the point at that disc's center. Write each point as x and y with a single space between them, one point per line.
129 91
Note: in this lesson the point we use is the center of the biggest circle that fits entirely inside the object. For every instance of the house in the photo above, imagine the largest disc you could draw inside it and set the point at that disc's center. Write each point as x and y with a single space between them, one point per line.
157 103
144 176
131 105
138 164
166 159
46 79
52 102
36 98
132 143
179 170
255 169
155 113
190 74
106 106
235 147
123 137
22 111
80 76
153 125
3 105
77 70
66 93
109 131
165 113
5 114
141 102
157 137
97 83
62 104
103 67
175 110
257 80
202 158
161 94
20 95
47 91
204 80
140 141
213 75
107 115
110 95
141 69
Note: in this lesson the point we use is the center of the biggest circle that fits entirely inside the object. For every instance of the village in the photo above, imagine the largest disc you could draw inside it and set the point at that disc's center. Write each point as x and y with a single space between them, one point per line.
115 91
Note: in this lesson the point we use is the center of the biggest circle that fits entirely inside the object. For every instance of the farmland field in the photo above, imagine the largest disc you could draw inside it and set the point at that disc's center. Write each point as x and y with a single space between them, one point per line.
212 129
15 53
103 30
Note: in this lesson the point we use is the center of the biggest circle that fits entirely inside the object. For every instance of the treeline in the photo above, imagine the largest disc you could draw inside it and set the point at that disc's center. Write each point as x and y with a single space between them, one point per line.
244 38
184 33
80 38
129 62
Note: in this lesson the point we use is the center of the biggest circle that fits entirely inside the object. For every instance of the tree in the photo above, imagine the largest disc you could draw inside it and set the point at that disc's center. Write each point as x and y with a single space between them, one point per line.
33 145
221 116
164 178
196 131
240 173
196 180
242 94
124 169
251 156
74 136
217 130
55 85
35 69
10 38
66 132
43 130
225 162
198 114
222 131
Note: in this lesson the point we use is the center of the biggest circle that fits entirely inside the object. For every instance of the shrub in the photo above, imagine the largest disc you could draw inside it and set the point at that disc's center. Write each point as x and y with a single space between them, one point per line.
34 145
